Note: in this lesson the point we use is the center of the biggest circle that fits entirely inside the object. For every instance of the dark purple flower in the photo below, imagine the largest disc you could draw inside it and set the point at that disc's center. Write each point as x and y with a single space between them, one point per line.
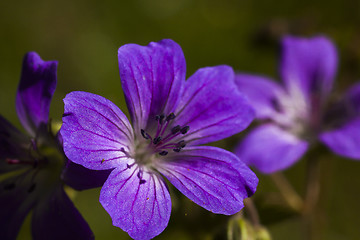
170 118
300 113
33 165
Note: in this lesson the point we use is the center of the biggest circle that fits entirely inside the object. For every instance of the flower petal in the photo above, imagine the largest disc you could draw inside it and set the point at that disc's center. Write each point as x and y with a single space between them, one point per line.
213 178
343 110
152 78
212 106
55 217
262 93
309 65
269 149
36 88
342 125
12 146
344 140
140 209
81 178
16 202
95 132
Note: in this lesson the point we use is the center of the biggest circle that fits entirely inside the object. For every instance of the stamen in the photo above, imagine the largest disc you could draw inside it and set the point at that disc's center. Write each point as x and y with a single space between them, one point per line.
185 129
175 129
142 181
164 139
157 140
181 144
145 134
163 153
178 149
170 117
160 118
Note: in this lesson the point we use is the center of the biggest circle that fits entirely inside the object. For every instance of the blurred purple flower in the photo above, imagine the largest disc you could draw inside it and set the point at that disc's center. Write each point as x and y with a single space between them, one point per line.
170 118
299 113
32 166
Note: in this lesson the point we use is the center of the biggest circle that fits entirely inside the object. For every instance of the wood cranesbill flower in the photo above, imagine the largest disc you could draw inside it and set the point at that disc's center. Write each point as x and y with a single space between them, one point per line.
170 118
32 166
300 113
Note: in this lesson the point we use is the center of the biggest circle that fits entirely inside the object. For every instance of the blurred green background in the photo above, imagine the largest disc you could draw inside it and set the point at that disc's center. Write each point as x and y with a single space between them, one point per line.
84 37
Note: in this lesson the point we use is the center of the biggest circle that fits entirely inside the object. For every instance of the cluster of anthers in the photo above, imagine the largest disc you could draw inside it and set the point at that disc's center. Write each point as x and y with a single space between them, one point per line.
162 142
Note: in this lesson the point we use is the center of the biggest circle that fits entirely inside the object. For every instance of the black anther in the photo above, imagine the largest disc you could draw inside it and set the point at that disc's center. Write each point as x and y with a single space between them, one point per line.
160 118
163 153
144 134
185 129
142 181
170 117
181 144
175 129
157 140
177 149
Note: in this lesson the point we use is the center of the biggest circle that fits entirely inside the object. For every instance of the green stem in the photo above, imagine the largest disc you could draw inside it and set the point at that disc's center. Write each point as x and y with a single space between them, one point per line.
252 212
288 192
311 198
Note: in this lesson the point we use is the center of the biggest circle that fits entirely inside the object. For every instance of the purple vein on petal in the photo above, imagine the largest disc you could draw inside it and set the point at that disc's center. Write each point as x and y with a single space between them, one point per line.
129 138
171 172
122 121
208 126
99 135
137 92
124 180
190 99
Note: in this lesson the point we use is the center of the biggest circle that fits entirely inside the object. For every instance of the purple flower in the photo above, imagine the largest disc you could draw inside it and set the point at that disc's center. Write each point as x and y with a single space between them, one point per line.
32 166
300 113
170 118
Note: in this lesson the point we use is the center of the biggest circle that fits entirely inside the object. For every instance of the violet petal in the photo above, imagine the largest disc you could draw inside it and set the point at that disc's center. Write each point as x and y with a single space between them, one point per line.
213 178
262 92
55 217
139 206
269 149
16 202
344 140
36 88
309 65
212 106
12 146
95 132
81 178
152 79
343 121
